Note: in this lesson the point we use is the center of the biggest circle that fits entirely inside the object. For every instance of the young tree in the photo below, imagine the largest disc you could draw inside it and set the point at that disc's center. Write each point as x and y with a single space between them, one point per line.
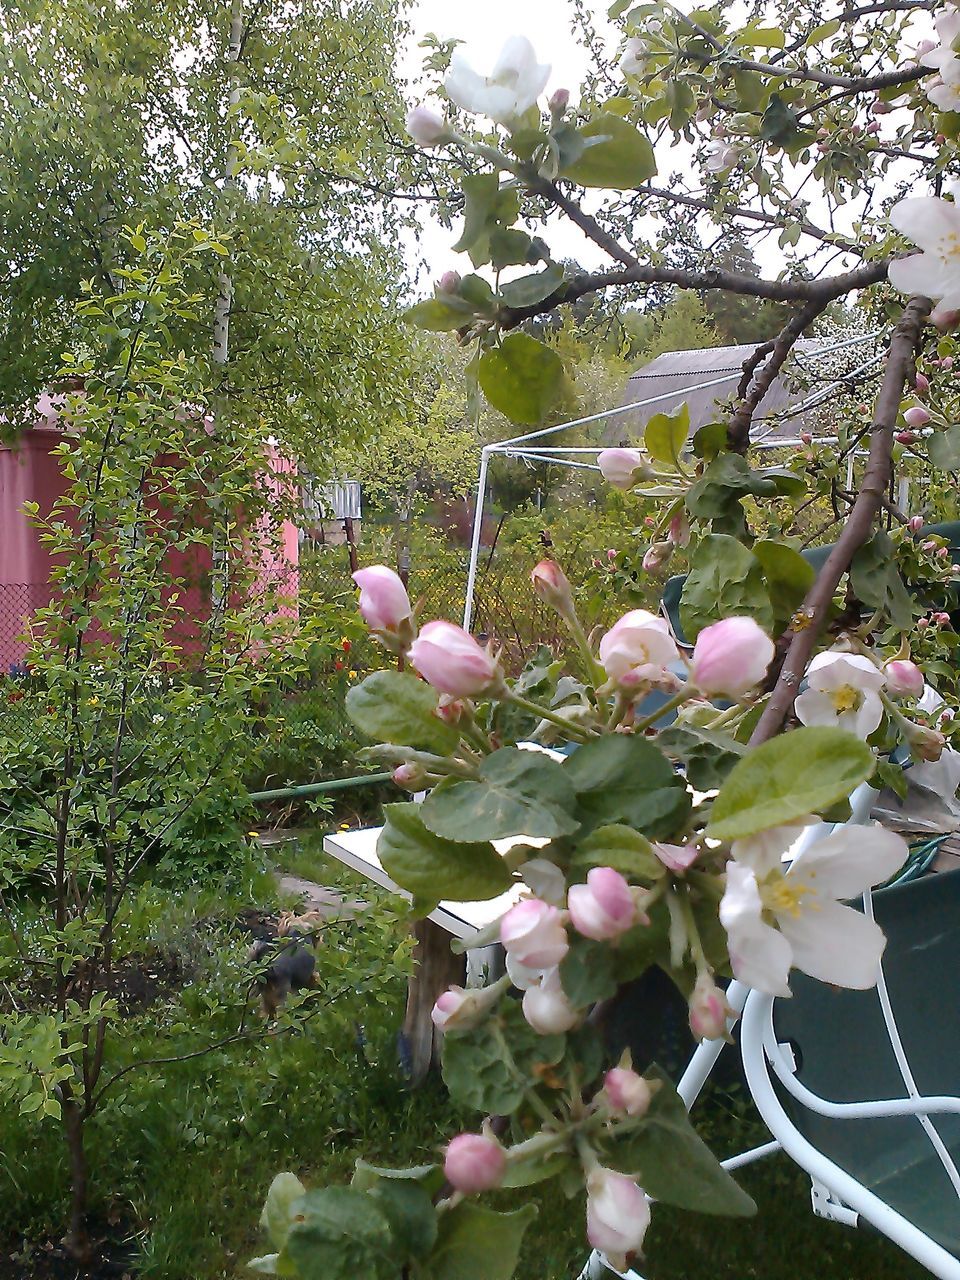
808 126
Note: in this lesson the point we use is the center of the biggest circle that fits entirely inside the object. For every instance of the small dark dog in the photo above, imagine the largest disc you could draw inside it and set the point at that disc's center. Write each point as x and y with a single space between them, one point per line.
294 964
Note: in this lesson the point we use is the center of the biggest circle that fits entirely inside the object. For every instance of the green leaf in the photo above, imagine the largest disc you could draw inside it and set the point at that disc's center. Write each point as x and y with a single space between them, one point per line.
621 779
509 246
522 378
478 292
343 1234
439 314
487 1068
666 434
754 37
278 1213
530 289
823 32
672 1162
589 971
788 577
430 868
519 793
481 193
876 580
411 1215
622 848
367 1176
725 580
710 440
788 777
476 1243
778 125
394 706
621 157
716 495
943 449
708 754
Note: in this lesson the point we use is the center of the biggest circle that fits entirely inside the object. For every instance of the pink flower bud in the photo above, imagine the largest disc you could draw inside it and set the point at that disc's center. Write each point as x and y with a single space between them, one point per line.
922 624
626 1093
904 678
474 1163
709 1009
547 1008
731 657
924 743
806 437
922 383
679 530
946 362
449 282
450 710
941 619
639 638
453 662
426 127
657 555
915 524
677 858
533 932
916 416
618 1215
623 468
925 46
640 680
904 437
946 715
873 127
880 108
552 586
942 553
384 603
823 132
611 553
823 147
559 101
604 907
928 547
460 1010
409 776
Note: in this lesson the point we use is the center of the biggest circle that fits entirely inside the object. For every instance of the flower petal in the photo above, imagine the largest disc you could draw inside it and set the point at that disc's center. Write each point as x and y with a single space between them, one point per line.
759 955
835 944
814 707
764 852
851 860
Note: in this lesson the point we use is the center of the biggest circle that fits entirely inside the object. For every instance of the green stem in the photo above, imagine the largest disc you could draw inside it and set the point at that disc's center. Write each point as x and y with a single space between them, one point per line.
592 669
677 700
547 713
697 952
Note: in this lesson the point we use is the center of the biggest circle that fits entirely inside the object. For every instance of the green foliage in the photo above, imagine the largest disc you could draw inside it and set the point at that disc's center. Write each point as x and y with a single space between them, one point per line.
627 780
394 706
725 580
431 867
617 154
522 378
518 792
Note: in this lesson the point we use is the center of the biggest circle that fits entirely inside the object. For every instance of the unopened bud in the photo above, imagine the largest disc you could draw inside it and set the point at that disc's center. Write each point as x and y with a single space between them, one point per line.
924 743
409 776
915 524
626 1093
929 547
806 437
904 437
873 127
709 1009
657 555
916 416
942 619
922 383
552 586
880 108
449 282
559 101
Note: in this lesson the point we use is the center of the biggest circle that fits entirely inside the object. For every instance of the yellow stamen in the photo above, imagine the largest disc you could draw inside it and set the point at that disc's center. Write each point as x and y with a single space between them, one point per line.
784 895
846 698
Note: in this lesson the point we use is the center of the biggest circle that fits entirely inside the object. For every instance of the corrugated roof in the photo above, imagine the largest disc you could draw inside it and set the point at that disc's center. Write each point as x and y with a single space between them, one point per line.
677 375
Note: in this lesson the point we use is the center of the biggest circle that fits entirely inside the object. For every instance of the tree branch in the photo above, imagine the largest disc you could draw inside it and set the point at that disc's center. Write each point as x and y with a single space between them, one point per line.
800 639
755 215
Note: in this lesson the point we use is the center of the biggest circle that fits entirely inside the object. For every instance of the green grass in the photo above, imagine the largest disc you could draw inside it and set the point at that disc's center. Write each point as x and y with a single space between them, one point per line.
185 1158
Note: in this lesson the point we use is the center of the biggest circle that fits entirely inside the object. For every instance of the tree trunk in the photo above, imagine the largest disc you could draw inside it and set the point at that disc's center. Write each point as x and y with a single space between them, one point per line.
436 969
77 1239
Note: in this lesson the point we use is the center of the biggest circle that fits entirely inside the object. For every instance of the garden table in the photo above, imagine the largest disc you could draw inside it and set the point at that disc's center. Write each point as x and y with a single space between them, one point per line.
437 967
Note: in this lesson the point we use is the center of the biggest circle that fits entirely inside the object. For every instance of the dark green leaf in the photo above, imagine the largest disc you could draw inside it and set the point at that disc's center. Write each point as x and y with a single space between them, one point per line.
439 314
476 1243
666 434
411 1215
708 754
621 156
621 779
725 580
788 577
394 706
622 848
343 1234
876 580
522 378
430 868
518 793
534 288
509 246
788 777
481 193
477 292
588 972
943 449
710 440
487 1068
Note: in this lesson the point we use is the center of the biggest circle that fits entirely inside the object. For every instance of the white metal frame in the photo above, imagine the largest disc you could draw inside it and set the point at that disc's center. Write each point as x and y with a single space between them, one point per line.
835 1193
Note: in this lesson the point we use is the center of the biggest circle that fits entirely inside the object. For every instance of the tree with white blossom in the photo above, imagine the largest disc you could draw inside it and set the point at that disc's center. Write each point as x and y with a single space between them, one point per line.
630 841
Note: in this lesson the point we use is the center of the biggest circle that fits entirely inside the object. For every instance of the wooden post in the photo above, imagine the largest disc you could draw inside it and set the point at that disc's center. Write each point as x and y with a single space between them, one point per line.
351 543
436 969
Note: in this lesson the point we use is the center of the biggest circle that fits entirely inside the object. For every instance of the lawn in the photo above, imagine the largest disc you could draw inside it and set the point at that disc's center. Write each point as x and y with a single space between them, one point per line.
198 1146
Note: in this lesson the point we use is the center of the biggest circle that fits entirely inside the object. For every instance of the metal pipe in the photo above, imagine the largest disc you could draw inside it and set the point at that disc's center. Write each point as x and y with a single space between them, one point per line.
318 788
475 539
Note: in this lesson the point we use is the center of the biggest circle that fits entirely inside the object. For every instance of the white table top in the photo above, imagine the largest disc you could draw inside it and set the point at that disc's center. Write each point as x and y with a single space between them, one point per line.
358 850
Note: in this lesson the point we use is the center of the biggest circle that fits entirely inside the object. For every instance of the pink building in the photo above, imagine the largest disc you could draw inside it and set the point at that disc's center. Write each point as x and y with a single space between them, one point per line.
30 472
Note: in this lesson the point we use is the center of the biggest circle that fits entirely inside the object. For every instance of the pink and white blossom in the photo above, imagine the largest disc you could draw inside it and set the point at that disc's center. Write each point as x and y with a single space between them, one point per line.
777 920
638 639
626 1093
678 858
623 468
384 604
511 88
618 1214
604 907
843 689
934 225
904 678
731 657
533 932
944 90
426 127
458 1009
452 661
474 1162
709 1010
547 1008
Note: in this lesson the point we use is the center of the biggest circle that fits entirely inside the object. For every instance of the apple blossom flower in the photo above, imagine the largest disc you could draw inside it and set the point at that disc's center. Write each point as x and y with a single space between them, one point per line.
731 657
625 1092
677 858
843 689
632 62
944 90
776 920
384 603
458 1009
474 1162
410 776
522 976
916 416
904 678
426 127
512 87
679 530
552 586
924 743
604 907
720 157
559 101
941 619
623 468
934 225
638 681
618 1214
452 661
547 1008
921 382
637 639
708 1009
533 932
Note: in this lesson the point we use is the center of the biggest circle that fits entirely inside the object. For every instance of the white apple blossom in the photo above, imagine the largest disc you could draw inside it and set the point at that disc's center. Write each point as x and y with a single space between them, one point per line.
934 225
720 156
778 920
842 690
512 87
944 89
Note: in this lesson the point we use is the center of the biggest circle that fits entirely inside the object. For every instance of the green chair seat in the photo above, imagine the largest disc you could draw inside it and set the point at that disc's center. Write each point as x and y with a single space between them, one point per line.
844 1054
